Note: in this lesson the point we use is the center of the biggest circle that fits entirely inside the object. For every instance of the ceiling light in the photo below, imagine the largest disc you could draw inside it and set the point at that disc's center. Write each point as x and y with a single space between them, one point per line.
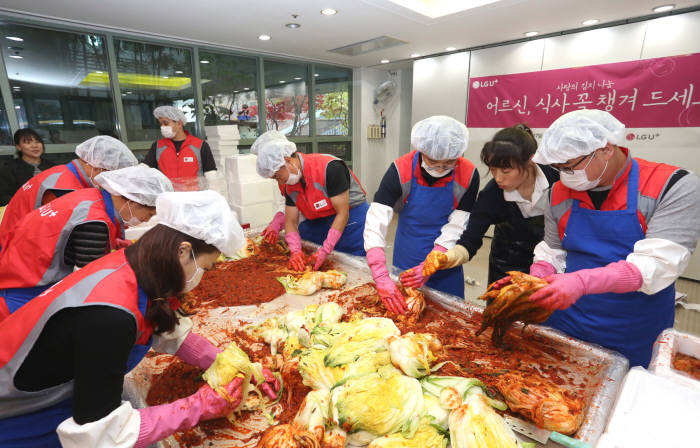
282 82
292 25
384 61
165 77
123 94
531 33
129 92
97 71
179 72
16 87
590 22
204 61
297 78
662 8
16 56
329 12
246 88
235 91
450 49
316 75
415 55
18 107
15 38
264 37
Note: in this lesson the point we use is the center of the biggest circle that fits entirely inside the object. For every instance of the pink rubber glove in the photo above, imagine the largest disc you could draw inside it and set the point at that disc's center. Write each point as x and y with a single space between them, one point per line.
158 422
565 289
271 385
320 255
197 351
413 278
121 244
542 269
386 288
272 231
297 260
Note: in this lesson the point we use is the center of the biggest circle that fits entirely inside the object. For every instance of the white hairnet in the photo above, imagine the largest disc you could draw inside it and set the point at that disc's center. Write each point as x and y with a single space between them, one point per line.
266 137
440 137
139 183
271 156
105 152
170 112
204 215
577 134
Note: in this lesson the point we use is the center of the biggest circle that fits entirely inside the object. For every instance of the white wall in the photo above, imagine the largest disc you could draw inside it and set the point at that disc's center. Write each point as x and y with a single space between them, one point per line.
440 87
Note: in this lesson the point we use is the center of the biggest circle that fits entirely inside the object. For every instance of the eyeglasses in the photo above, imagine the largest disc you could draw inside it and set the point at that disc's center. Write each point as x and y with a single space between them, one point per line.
444 166
570 169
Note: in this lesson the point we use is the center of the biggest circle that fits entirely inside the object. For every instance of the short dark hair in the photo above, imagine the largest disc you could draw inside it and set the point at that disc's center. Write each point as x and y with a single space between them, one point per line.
510 148
158 271
28 134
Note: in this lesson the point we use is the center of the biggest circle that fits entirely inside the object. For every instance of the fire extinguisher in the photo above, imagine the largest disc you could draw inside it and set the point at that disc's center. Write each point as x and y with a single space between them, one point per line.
383 125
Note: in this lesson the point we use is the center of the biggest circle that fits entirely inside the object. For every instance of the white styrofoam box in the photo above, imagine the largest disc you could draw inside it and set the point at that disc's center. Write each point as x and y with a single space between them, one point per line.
223 146
252 192
255 215
241 168
229 131
669 343
651 411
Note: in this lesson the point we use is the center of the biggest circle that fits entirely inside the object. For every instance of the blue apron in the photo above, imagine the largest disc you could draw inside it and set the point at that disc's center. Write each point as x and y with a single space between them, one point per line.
38 428
73 169
426 210
16 297
630 322
351 242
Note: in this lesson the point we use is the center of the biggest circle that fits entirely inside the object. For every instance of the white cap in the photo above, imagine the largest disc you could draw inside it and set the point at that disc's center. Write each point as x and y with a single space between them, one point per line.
204 215
271 156
138 183
440 137
577 134
266 137
170 112
106 152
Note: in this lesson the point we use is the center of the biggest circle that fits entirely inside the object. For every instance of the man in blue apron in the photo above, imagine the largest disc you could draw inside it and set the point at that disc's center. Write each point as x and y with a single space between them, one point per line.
433 188
619 231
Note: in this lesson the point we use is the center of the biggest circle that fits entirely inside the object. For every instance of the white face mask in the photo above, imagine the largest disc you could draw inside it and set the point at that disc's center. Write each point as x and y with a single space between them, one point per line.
434 172
293 178
196 277
578 180
167 131
133 220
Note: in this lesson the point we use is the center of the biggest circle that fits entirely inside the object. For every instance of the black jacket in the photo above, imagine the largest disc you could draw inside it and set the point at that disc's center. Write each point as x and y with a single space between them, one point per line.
13 174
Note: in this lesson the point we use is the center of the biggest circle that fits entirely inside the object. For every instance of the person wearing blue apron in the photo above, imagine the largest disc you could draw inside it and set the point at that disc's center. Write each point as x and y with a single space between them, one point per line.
95 325
433 188
620 228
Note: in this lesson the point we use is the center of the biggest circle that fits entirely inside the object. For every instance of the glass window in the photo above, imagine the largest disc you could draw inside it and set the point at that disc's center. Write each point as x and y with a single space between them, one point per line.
152 76
332 99
60 83
5 131
342 150
286 98
229 91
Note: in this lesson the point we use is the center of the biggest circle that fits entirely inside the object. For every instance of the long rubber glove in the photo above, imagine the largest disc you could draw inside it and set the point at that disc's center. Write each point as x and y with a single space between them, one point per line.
272 231
271 386
320 255
414 277
197 351
297 261
539 269
565 289
437 261
158 422
391 297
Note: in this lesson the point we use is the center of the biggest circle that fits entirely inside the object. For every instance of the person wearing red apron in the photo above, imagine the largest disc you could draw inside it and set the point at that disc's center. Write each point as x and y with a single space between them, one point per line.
433 189
85 327
97 154
620 228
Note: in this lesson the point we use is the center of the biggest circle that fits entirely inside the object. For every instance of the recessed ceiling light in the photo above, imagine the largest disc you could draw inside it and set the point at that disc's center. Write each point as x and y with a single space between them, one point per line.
282 82
292 25
316 75
297 78
246 88
235 91
450 49
165 77
415 55
129 93
531 33
384 61
123 94
98 71
15 38
662 8
179 72
18 107
16 56
590 22
329 12
264 37
204 61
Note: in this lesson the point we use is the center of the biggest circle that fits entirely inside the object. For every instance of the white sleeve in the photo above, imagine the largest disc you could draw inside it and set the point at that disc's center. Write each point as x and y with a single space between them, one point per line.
210 175
170 342
660 261
555 257
377 222
119 429
450 232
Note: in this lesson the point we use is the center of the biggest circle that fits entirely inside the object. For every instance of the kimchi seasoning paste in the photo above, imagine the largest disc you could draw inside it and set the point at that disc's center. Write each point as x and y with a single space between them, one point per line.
687 364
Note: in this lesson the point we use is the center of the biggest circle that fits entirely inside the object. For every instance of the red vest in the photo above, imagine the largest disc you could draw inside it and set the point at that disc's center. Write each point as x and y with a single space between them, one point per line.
464 172
34 256
108 281
312 199
653 177
183 167
31 195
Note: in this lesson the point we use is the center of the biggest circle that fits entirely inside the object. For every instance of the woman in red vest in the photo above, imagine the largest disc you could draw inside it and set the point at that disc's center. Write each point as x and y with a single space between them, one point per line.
74 230
180 155
325 191
64 354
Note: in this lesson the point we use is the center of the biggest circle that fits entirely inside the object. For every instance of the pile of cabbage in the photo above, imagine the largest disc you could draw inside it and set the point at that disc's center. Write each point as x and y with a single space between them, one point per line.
311 281
372 387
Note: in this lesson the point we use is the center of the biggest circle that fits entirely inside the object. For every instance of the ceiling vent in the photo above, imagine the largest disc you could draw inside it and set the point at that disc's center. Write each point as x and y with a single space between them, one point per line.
378 43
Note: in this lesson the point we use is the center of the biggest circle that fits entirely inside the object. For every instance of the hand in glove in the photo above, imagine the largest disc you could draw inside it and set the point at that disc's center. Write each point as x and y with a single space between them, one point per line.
320 255
271 385
437 261
272 231
540 269
297 260
565 289
415 277
391 297
197 351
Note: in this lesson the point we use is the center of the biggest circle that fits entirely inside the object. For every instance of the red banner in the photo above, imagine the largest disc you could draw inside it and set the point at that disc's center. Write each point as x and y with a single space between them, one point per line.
658 92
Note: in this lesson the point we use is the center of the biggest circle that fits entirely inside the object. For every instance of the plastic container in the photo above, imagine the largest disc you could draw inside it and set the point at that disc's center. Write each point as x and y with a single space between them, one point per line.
669 343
